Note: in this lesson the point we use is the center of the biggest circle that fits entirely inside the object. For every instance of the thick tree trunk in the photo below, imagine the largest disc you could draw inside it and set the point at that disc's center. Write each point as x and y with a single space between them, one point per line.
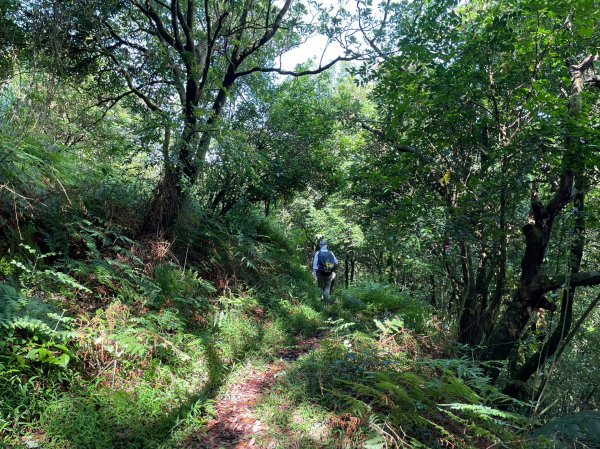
166 203
164 207
530 295
533 283
538 359
192 149
574 161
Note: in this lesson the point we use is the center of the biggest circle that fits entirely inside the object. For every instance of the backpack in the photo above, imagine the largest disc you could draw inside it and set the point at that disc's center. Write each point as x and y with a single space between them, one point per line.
325 262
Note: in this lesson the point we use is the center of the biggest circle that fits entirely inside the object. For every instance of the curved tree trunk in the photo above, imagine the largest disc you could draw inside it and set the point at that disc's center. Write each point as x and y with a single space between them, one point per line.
575 161
533 284
530 294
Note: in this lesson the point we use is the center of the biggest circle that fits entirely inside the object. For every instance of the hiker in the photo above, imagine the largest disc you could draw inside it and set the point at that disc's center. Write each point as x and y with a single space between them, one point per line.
324 265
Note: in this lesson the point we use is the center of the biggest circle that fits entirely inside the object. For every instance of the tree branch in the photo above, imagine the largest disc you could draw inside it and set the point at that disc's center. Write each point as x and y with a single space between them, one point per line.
281 71
156 20
585 64
561 197
129 80
381 135
371 42
582 279
123 41
267 36
210 46
174 7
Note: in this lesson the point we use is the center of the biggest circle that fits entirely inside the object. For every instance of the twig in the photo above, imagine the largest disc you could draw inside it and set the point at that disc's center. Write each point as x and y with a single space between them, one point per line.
17 216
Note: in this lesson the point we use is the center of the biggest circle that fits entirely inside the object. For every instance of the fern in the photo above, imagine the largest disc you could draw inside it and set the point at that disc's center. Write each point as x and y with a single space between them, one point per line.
10 303
66 280
390 326
490 414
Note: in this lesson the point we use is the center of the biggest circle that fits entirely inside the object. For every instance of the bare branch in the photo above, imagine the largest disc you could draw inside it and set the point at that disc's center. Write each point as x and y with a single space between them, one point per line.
187 30
561 197
281 71
175 26
210 47
594 80
123 41
267 36
585 64
371 42
190 15
381 135
129 80
156 21
113 102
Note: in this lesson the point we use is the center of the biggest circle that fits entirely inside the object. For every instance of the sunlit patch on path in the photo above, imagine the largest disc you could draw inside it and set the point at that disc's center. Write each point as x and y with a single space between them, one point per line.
236 426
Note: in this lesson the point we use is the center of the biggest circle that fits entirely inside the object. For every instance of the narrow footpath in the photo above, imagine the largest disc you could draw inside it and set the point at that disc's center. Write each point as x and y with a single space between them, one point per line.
236 426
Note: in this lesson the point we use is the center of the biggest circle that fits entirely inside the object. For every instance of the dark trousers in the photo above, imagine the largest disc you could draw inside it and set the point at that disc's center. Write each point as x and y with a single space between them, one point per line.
325 283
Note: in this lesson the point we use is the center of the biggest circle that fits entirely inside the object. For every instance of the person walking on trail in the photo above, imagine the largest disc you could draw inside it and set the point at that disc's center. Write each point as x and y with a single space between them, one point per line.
324 265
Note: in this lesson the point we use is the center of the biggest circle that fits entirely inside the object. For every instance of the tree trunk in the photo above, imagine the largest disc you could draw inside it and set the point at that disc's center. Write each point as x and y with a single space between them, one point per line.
530 295
492 310
346 268
575 161
432 298
468 310
390 268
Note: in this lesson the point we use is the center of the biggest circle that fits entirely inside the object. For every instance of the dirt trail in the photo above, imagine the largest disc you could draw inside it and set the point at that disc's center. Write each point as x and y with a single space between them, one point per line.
235 426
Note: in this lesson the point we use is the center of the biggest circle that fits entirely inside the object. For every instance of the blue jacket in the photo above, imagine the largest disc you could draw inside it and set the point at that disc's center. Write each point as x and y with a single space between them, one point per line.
316 259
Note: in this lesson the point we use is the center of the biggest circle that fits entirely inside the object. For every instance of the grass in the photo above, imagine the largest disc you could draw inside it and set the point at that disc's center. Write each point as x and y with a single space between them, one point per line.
292 419
145 381
152 353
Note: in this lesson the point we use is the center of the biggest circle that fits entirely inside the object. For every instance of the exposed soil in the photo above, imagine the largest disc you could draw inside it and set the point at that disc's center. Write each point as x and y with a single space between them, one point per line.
235 426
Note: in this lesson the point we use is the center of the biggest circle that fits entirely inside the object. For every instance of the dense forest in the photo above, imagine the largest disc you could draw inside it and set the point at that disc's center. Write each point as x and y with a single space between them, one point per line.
167 176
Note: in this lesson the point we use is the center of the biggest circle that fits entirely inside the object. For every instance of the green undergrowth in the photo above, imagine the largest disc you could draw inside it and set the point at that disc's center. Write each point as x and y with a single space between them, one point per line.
104 344
108 342
378 380
381 390
108 350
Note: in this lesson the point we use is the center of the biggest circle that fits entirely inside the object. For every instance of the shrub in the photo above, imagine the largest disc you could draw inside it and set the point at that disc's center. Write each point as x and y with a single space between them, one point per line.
299 319
377 300
237 335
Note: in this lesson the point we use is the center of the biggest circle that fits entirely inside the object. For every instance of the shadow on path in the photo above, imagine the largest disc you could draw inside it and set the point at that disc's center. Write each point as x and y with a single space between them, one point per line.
236 426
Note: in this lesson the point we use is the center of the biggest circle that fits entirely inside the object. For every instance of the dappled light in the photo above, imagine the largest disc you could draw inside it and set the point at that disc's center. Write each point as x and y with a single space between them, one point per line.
298 224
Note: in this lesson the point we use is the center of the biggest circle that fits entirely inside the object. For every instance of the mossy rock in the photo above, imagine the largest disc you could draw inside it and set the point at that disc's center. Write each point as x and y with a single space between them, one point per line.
581 430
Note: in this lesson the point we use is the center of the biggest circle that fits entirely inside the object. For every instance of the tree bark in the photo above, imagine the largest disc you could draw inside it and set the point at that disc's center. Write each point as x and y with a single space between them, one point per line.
575 161
533 283
475 296
346 268
530 294
491 311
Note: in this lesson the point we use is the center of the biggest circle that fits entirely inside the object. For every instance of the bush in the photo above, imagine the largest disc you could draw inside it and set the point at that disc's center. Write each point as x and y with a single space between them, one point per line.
186 289
377 300
299 319
109 419
237 335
